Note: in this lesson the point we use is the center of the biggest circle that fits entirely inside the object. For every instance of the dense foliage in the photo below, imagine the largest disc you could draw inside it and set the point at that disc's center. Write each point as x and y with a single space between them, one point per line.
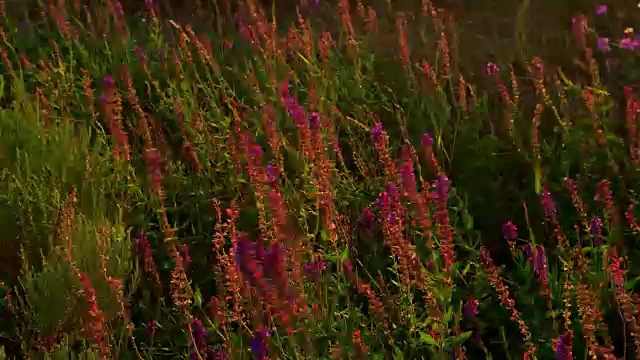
263 186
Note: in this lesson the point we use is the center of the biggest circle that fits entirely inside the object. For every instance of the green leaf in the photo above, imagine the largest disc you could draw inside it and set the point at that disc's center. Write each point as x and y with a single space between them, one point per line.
398 354
324 236
197 297
344 254
466 269
1 86
460 339
449 315
428 339
537 176
467 220
630 284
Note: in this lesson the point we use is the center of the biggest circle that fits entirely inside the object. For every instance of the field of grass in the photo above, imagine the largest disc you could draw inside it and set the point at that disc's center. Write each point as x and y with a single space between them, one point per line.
394 181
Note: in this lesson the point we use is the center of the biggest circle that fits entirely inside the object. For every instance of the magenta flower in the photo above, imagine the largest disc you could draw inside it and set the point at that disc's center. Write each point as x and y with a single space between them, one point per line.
314 268
540 263
471 307
509 231
150 327
314 121
199 340
297 112
441 185
245 256
601 10
238 19
118 9
595 227
220 354
255 152
367 220
427 140
562 347
548 205
538 259
392 192
273 173
142 243
184 253
627 43
108 81
492 69
389 196
273 262
408 171
378 133
259 344
603 44
140 54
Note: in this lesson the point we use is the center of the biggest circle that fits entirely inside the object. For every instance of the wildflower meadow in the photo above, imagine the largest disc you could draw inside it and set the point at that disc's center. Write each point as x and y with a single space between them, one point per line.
319 180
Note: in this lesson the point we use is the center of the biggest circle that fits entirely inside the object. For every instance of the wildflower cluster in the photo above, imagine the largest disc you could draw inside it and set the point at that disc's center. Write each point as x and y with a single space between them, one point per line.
290 180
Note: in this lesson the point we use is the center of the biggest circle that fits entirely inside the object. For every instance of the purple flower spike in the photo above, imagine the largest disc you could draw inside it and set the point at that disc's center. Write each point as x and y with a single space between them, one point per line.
603 44
119 9
367 219
378 203
245 251
259 344
255 151
471 307
441 185
150 327
314 268
377 133
540 264
273 261
509 231
108 81
199 334
601 10
238 19
548 205
184 253
314 122
220 354
563 347
627 43
595 227
273 173
392 192
538 258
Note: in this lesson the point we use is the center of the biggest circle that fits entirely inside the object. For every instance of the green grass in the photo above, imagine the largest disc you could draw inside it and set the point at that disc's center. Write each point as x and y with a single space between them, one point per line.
299 190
